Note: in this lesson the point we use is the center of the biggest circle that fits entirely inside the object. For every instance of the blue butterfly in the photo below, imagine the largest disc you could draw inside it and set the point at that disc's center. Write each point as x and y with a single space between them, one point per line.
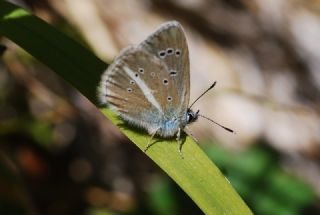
148 84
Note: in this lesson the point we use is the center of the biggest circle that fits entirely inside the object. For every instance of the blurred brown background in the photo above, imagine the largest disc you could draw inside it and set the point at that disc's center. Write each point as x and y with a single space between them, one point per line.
60 156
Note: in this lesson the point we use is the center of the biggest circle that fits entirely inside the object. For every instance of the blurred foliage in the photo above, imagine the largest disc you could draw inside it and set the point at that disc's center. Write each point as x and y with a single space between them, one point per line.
257 175
35 169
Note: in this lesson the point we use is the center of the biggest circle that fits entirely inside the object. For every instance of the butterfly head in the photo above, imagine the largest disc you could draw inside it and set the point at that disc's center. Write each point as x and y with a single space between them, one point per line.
192 116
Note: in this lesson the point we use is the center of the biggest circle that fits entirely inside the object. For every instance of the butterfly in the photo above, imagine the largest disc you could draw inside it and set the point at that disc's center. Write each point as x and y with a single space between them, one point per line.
148 84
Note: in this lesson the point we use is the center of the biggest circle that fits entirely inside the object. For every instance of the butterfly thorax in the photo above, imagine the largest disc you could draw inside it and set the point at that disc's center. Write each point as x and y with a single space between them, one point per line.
170 127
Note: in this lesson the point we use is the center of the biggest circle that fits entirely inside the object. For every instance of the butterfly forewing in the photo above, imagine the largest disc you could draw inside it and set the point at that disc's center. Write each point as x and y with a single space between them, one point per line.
169 45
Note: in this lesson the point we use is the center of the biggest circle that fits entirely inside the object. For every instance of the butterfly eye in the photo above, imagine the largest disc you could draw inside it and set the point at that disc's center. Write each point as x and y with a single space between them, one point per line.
137 75
178 52
162 54
165 82
132 82
169 51
141 70
129 90
173 73
169 98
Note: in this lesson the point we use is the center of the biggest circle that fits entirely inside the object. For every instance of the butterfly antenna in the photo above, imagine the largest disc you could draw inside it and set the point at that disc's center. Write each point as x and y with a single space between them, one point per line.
228 129
214 83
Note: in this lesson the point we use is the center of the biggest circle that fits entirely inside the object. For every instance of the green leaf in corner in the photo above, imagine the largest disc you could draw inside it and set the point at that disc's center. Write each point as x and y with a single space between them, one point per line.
70 60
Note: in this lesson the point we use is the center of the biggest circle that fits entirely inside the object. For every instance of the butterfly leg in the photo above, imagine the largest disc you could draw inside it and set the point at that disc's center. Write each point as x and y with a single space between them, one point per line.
150 143
180 143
